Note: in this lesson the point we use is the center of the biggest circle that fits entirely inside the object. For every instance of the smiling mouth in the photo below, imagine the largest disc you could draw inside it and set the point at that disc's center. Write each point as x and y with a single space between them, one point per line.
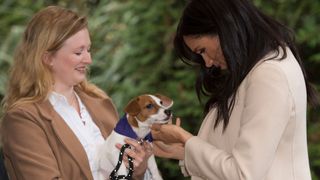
82 69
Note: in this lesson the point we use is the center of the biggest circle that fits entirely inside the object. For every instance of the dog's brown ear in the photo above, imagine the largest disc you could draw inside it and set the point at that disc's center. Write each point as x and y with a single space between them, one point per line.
133 107
166 101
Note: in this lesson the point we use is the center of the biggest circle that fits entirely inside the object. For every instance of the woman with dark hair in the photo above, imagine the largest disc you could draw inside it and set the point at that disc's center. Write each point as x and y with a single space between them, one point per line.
255 124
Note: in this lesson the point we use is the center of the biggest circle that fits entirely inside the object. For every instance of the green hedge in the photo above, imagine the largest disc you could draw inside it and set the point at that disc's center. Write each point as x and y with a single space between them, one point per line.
133 53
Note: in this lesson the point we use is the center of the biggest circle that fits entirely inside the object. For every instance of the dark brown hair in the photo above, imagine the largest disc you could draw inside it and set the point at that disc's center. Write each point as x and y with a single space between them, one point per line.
246 35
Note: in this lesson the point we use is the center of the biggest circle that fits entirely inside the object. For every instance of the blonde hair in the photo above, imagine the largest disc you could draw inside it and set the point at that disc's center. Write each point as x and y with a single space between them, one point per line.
30 79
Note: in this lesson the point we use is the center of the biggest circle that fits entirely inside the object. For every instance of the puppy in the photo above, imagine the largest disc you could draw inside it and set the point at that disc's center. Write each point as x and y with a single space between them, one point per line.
140 113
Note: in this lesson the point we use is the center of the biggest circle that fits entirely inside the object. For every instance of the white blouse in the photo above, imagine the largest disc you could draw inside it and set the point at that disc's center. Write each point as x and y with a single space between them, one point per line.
82 126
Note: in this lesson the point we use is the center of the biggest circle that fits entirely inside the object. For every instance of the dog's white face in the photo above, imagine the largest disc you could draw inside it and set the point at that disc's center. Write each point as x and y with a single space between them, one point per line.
162 115
149 109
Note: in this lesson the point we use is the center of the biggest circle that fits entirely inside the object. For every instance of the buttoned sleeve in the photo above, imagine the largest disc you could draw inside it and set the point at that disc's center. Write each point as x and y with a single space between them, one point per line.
27 152
267 110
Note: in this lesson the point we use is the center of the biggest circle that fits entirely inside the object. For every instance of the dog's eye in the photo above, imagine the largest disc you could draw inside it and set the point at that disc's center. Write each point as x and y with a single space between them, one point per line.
149 106
161 102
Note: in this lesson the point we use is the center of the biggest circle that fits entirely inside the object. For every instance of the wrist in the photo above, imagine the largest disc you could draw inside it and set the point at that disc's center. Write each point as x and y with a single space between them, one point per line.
138 177
185 136
139 174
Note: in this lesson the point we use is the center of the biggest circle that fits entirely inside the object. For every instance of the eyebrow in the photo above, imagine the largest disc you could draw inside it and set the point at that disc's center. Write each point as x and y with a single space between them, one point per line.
83 47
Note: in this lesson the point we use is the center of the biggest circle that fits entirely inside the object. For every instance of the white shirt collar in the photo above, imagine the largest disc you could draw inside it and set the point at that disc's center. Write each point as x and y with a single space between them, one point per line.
56 99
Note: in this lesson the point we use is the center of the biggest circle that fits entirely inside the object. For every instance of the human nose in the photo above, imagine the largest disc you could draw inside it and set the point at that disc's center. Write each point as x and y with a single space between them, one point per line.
87 58
207 60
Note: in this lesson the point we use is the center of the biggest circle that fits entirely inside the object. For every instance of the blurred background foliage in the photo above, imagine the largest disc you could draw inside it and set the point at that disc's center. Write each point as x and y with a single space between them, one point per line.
133 53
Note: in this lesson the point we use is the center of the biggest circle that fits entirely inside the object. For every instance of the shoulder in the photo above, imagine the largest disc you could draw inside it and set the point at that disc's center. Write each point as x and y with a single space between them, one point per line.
101 105
18 119
277 77
36 113
103 100
23 110
273 65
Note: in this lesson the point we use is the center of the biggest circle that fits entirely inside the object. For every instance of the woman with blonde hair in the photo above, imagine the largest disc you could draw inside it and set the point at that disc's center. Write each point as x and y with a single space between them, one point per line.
54 119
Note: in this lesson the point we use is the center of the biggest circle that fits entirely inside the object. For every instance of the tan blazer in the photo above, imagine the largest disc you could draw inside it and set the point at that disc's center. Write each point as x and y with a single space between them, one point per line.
266 137
39 145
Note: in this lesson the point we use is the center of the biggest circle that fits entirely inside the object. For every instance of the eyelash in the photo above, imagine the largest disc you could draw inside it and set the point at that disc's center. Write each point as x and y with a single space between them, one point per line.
79 53
202 50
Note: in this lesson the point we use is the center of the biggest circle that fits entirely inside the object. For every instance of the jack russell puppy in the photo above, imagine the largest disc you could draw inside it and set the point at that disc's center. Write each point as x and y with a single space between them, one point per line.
140 113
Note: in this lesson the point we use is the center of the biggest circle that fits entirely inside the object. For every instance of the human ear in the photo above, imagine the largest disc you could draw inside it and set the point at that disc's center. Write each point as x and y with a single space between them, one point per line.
47 59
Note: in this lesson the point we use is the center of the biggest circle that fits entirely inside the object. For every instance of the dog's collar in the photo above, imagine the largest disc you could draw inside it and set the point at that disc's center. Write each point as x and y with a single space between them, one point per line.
124 128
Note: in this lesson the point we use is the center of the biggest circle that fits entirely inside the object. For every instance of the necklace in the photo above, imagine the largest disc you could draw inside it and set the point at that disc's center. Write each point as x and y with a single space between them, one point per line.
76 103
82 114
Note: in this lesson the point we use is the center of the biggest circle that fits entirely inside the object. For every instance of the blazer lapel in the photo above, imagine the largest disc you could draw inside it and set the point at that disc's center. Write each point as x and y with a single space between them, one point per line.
66 137
102 112
92 109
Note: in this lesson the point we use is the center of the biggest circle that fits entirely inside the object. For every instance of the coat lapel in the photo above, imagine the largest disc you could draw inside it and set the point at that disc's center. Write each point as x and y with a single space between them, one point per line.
102 112
66 137
92 108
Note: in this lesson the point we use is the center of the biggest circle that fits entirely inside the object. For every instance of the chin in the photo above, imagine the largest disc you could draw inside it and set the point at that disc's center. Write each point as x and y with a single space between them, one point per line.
78 81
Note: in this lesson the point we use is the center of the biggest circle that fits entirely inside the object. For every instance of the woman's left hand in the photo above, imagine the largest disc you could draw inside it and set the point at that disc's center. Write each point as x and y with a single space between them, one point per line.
140 153
170 133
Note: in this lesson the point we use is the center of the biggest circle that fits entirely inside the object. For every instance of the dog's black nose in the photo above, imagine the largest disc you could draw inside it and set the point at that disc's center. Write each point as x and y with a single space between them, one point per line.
167 112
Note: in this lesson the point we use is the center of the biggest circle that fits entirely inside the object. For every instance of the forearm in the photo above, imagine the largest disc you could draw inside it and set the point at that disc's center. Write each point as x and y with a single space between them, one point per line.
205 160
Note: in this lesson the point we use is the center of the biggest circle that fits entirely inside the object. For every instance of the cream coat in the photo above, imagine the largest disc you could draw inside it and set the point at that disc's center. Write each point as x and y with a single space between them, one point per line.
266 137
39 145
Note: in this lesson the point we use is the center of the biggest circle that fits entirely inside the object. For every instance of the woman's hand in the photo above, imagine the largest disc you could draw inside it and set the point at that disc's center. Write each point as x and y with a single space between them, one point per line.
140 153
170 133
169 140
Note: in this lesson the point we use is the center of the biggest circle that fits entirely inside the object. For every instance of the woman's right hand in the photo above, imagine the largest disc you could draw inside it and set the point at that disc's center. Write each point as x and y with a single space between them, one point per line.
140 154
